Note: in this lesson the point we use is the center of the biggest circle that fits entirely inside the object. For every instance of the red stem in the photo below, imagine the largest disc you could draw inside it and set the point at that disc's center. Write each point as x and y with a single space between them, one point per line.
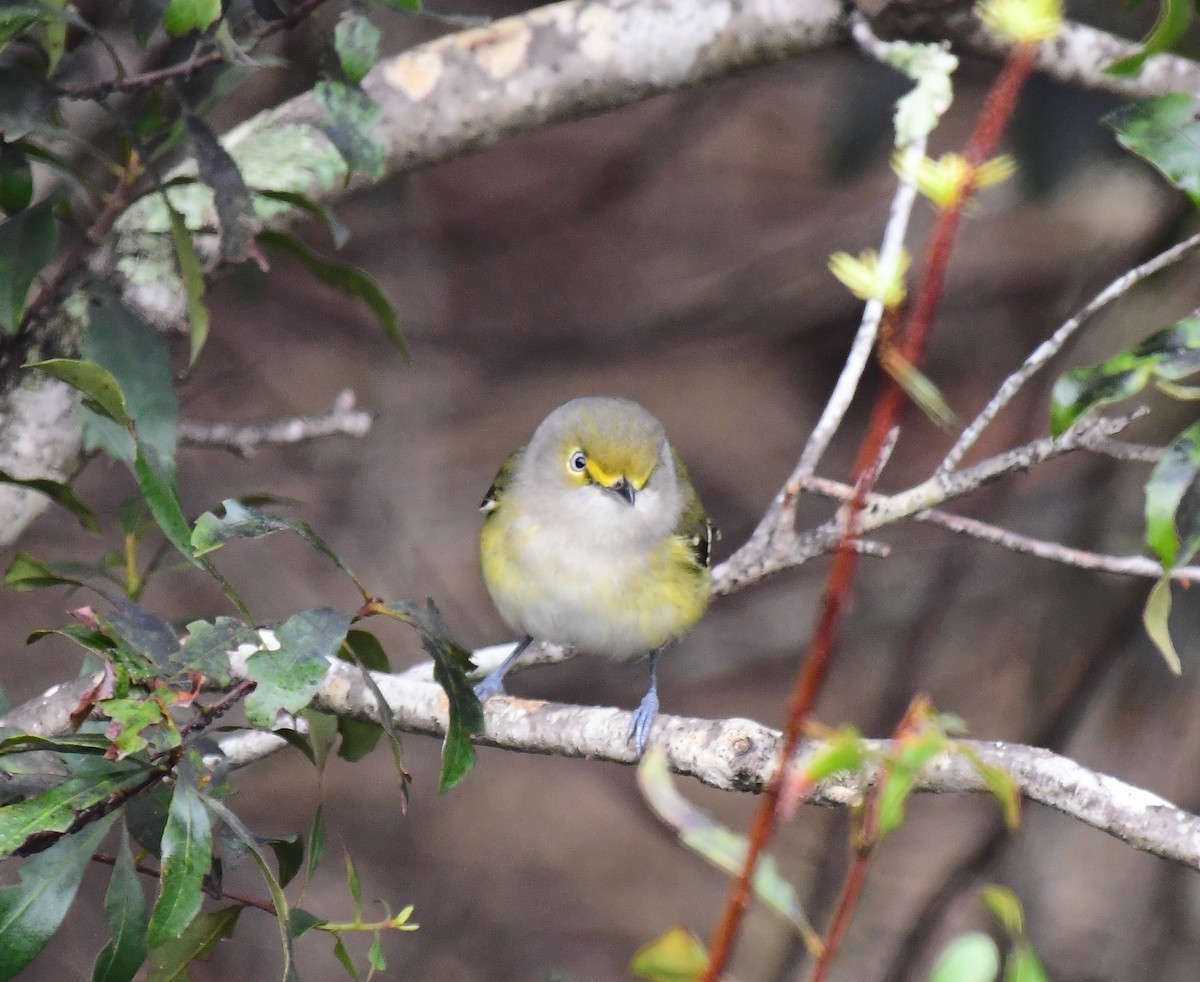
996 111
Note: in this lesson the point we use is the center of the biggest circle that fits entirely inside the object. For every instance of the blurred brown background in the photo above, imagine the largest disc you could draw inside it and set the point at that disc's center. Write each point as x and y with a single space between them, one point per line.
675 252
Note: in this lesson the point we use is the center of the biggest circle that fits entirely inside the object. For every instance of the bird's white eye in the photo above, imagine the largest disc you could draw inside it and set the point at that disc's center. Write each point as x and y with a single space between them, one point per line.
577 462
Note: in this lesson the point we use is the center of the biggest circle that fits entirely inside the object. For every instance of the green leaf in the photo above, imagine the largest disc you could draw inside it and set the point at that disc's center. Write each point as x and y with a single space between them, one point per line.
289 677
169 962
27 241
136 356
31 912
131 719
240 522
1154 619
302 922
359 738
1173 501
282 915
208 646
316 844
451 665
350 116
100 390
186 858
192 273
146 634
355 885
677 955
58 809
289 854
971 957
1174 16
158 486
93 744
60 494
715 843
338 230
27 573
840 753
1023 965
125 908
345 277
183 16
356 41
16 178
343 956
1005 907
1164 131
900 776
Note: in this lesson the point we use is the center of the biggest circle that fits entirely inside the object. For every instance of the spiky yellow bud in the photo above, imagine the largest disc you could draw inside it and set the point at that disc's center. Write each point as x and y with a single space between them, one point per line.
868 279
942 180
1023 21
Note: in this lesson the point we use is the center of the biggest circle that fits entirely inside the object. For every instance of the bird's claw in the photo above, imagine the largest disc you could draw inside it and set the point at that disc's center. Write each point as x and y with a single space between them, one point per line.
493 685
643 719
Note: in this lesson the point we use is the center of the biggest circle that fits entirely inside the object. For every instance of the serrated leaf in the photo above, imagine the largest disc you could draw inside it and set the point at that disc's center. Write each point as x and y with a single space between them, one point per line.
183 16
971 957
241 522
56 810
1173 501
282 914
289 677
1155 616
61 494
125 909
136 356
677 955
345 277
144 633
1164 131
186 858
207 647
192 274
169 962
1174 16
100 390
350 116
356 41
27 241
31 911
451 665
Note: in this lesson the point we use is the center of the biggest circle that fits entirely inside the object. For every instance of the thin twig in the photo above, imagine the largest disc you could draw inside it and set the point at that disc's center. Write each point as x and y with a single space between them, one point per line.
341 418
1053 344
147 870
1141 566
185 69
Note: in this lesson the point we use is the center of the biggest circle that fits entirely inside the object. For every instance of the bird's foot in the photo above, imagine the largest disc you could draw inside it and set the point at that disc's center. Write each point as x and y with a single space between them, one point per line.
643 719
493 685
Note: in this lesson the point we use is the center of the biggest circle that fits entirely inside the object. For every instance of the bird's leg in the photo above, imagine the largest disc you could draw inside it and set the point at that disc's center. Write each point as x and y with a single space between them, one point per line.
494 683
643 717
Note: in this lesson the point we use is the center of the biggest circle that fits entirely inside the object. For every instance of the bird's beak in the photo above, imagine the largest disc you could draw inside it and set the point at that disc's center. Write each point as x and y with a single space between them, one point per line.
622 489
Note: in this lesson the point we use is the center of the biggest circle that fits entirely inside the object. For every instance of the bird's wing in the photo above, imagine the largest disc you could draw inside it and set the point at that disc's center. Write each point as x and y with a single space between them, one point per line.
500 482
694 524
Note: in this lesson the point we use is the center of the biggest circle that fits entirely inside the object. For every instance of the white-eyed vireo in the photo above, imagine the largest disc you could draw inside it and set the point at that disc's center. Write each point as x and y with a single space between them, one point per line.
594 537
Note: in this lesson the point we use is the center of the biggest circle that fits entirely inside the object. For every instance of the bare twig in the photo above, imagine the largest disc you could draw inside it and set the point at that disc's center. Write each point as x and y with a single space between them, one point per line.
341 418
1053 344
1141 566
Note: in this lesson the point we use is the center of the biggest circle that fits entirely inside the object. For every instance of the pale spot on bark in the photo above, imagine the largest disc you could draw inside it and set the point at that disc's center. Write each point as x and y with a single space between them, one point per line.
597 33
499 49
415 74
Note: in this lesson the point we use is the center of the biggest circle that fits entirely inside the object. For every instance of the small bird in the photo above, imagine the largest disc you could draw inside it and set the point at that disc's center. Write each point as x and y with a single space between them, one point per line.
594 537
